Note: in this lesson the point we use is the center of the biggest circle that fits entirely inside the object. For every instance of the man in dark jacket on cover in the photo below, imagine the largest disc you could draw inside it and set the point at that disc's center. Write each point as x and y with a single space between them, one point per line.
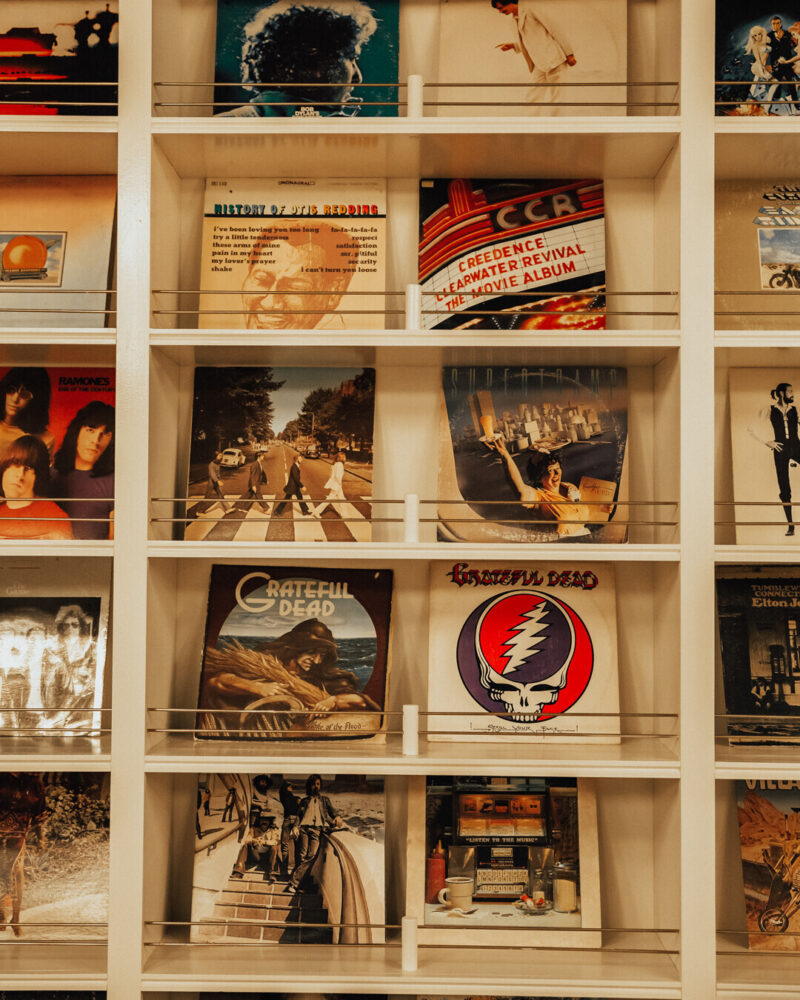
316 814
256 481
293 488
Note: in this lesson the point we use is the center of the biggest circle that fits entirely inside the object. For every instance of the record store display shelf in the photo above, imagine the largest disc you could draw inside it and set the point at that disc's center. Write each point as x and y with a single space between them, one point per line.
672 914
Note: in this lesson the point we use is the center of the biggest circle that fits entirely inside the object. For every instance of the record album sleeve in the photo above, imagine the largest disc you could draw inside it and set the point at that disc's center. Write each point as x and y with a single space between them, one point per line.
757 257
273 60
512 254
756 59
769 836
295 652
293 254
528 651
533 455
758 613
553 57
281 454
58 57
55 247
290 859
53 644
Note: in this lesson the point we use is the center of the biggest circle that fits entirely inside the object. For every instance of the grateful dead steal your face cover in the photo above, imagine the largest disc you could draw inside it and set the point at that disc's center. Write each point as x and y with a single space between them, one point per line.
523 649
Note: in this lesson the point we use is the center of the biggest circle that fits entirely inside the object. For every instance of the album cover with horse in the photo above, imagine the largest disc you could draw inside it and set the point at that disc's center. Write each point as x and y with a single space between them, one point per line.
528 650
296 652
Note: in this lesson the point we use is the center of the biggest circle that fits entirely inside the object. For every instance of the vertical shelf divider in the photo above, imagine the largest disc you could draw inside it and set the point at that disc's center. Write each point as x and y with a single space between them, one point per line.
698 895
131 514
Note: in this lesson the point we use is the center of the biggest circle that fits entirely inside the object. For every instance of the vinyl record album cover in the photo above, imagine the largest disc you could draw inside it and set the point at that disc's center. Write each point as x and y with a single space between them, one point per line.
55 246
318 58
283 641
54 864
281 454
757 240
289 858
293 254
769 835
756 58
58 57
758 613
512 254
53 637
57 453
560 56
506 861
535 643
766 452
533 454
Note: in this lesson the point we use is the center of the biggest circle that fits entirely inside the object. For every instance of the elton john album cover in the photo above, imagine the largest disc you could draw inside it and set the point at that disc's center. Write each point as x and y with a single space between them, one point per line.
318 58
556 57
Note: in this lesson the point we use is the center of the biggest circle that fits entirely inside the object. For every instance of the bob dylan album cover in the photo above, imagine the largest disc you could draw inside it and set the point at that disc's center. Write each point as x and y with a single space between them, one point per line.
283 53
535 454
283 644
285 858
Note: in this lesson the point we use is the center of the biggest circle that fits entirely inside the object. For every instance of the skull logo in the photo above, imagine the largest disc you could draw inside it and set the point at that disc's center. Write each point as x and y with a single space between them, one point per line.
524 644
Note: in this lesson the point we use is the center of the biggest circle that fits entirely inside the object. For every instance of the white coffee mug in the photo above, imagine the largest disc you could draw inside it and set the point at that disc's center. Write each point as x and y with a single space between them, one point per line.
457 892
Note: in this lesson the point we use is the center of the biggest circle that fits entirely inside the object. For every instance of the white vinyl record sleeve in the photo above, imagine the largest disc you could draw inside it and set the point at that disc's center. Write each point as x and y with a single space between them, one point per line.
537 642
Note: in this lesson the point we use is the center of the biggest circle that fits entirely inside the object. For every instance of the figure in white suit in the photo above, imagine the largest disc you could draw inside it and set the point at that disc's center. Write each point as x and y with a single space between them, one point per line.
543 44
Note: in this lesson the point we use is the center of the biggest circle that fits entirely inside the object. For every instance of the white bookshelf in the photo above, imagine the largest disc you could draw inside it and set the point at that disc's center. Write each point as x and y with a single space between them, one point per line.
670 876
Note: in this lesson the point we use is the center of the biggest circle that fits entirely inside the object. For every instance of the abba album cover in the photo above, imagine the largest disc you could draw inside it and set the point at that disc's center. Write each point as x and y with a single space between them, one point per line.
55 857
512 254
55 246
289 858
53 637
756 53
57 453
281 455
58 57
769 836
766 452
757 239
533 455
293 254
274 57
529 650
558 57
283 642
